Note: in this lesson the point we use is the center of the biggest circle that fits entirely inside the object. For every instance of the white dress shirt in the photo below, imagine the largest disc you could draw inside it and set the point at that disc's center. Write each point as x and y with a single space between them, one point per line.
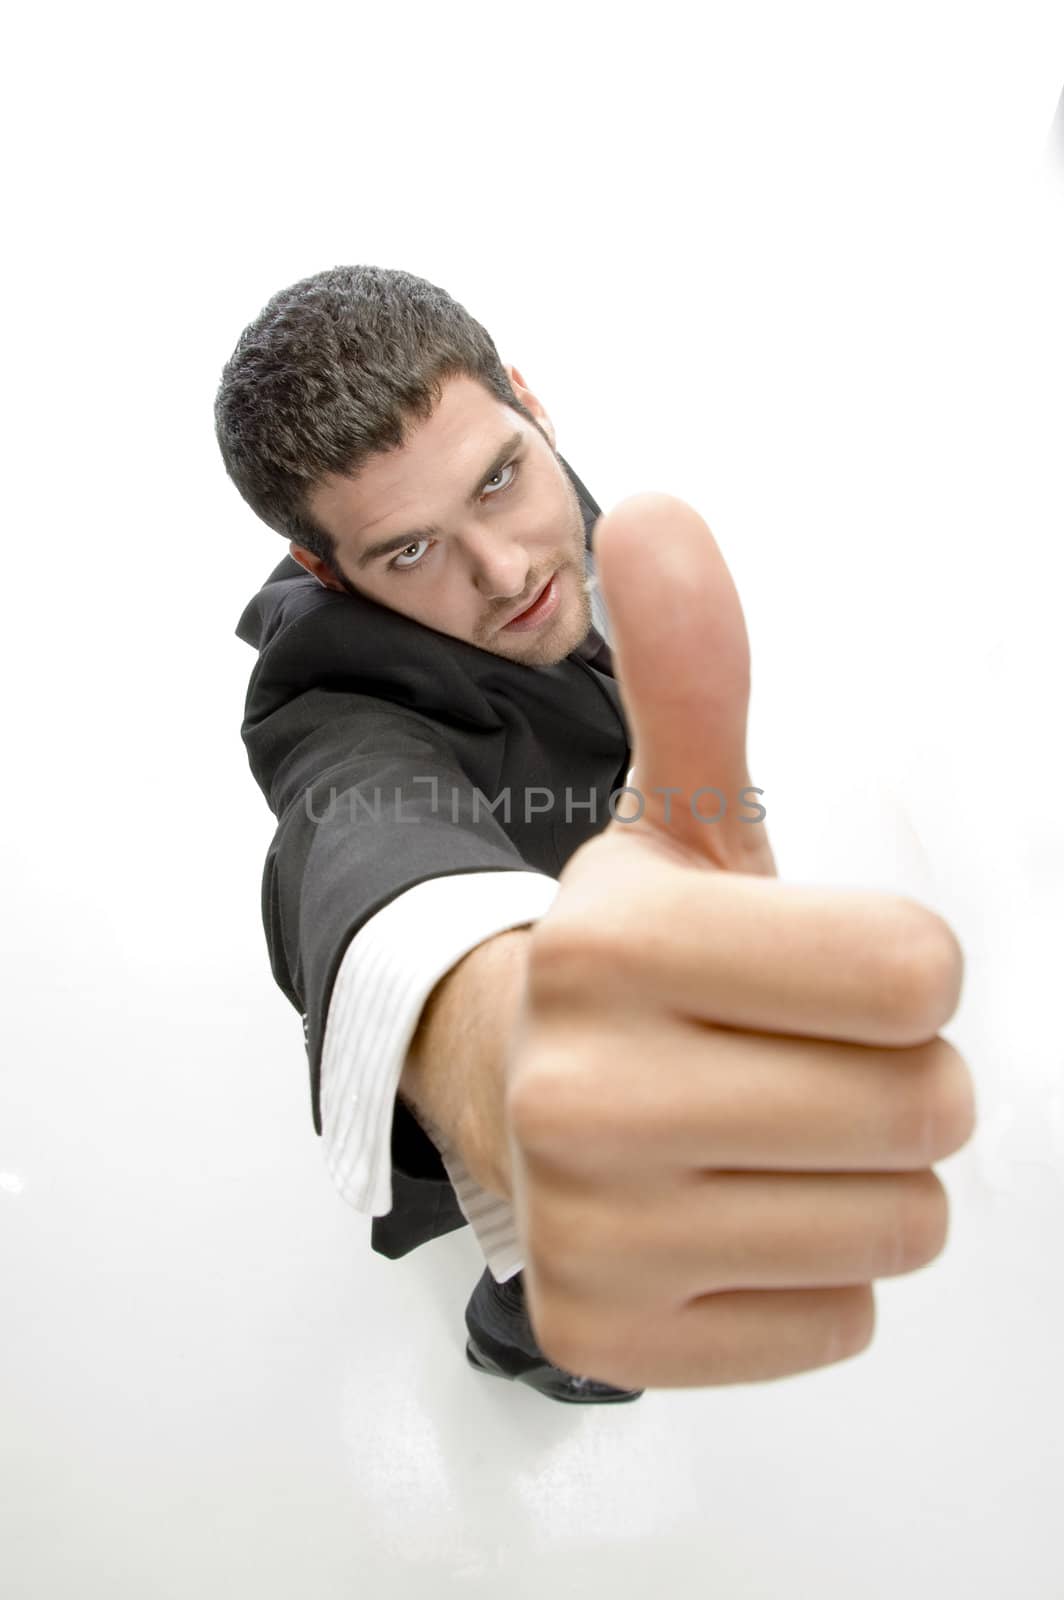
388 972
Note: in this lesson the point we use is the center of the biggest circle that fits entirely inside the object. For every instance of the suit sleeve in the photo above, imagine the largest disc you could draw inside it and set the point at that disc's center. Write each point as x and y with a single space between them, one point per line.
369 804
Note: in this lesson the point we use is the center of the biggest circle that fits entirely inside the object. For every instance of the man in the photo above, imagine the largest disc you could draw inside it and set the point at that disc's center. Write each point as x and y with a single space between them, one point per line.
603 1017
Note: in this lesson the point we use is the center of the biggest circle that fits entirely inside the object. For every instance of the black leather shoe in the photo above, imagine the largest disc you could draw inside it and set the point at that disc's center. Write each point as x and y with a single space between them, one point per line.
509 1349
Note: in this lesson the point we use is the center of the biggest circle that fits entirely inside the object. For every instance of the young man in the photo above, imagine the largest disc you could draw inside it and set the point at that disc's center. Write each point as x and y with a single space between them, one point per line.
601 1020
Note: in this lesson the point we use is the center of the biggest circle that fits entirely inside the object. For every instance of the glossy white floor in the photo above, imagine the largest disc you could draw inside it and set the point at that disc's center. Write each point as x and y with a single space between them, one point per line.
838 289
210 1385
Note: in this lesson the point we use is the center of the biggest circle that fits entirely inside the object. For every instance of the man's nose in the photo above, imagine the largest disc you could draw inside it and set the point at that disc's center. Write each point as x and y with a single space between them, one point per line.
500 567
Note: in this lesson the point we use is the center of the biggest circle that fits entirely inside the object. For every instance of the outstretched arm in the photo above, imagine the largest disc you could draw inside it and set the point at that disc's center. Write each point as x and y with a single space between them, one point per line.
454 1076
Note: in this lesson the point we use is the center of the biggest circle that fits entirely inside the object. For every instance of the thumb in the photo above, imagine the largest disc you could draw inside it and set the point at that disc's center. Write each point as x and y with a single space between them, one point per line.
682 662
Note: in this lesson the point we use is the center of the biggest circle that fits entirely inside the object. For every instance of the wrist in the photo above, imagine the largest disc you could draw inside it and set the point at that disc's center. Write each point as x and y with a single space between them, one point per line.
454 1077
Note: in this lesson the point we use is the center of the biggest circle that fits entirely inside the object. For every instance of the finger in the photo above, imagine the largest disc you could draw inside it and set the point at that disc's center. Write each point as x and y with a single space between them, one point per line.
707 1098
741 1337
749 1337
722 1231
682 663
748 952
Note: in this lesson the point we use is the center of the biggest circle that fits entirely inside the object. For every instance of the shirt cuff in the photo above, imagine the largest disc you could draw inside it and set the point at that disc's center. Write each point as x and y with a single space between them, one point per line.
389 970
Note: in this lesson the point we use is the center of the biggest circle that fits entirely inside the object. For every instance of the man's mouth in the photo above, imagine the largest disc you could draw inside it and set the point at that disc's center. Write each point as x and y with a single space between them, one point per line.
531 604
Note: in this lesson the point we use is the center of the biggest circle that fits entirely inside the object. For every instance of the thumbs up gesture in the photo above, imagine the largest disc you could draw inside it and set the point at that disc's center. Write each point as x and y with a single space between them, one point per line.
724 1094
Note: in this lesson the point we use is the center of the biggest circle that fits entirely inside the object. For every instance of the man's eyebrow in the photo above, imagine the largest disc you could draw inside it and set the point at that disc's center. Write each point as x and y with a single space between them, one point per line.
399 541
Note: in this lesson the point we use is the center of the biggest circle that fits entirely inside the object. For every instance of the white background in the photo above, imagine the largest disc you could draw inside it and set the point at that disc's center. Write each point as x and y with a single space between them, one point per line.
799 264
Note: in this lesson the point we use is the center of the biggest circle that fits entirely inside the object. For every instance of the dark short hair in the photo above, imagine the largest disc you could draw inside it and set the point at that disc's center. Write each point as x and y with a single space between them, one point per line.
333 370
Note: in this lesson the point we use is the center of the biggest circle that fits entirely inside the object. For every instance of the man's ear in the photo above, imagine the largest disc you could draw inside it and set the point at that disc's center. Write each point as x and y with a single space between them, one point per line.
527 398
315 566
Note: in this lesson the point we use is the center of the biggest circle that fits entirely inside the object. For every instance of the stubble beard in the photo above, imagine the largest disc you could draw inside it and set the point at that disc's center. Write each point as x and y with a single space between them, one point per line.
554 647
550 650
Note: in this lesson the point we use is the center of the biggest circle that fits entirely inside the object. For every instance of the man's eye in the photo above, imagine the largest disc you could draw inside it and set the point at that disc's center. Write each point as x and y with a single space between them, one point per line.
398 565
511 466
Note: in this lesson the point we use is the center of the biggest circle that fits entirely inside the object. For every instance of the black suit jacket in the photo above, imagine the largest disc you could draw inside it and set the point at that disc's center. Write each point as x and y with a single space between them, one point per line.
352 710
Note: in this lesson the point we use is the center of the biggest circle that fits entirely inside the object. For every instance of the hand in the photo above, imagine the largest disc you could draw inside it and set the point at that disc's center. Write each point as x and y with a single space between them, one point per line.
724 1093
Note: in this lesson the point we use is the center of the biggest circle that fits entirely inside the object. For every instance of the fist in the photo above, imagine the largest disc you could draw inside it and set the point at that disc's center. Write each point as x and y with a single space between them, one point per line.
724 1094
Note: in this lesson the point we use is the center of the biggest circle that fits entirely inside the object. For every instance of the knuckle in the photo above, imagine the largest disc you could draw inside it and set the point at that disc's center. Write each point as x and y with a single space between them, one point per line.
920 970
553 1338
924 971
952 1113
574 1326
921 1222
556 1242
527 1106
532 1116
550 1100
568 962
571 1352
549 1323
935 1113
566 1334
590 1349
854 1324
911 1126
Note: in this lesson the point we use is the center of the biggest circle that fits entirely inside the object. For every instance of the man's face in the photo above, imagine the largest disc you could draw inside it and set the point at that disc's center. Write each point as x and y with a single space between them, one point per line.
478 515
